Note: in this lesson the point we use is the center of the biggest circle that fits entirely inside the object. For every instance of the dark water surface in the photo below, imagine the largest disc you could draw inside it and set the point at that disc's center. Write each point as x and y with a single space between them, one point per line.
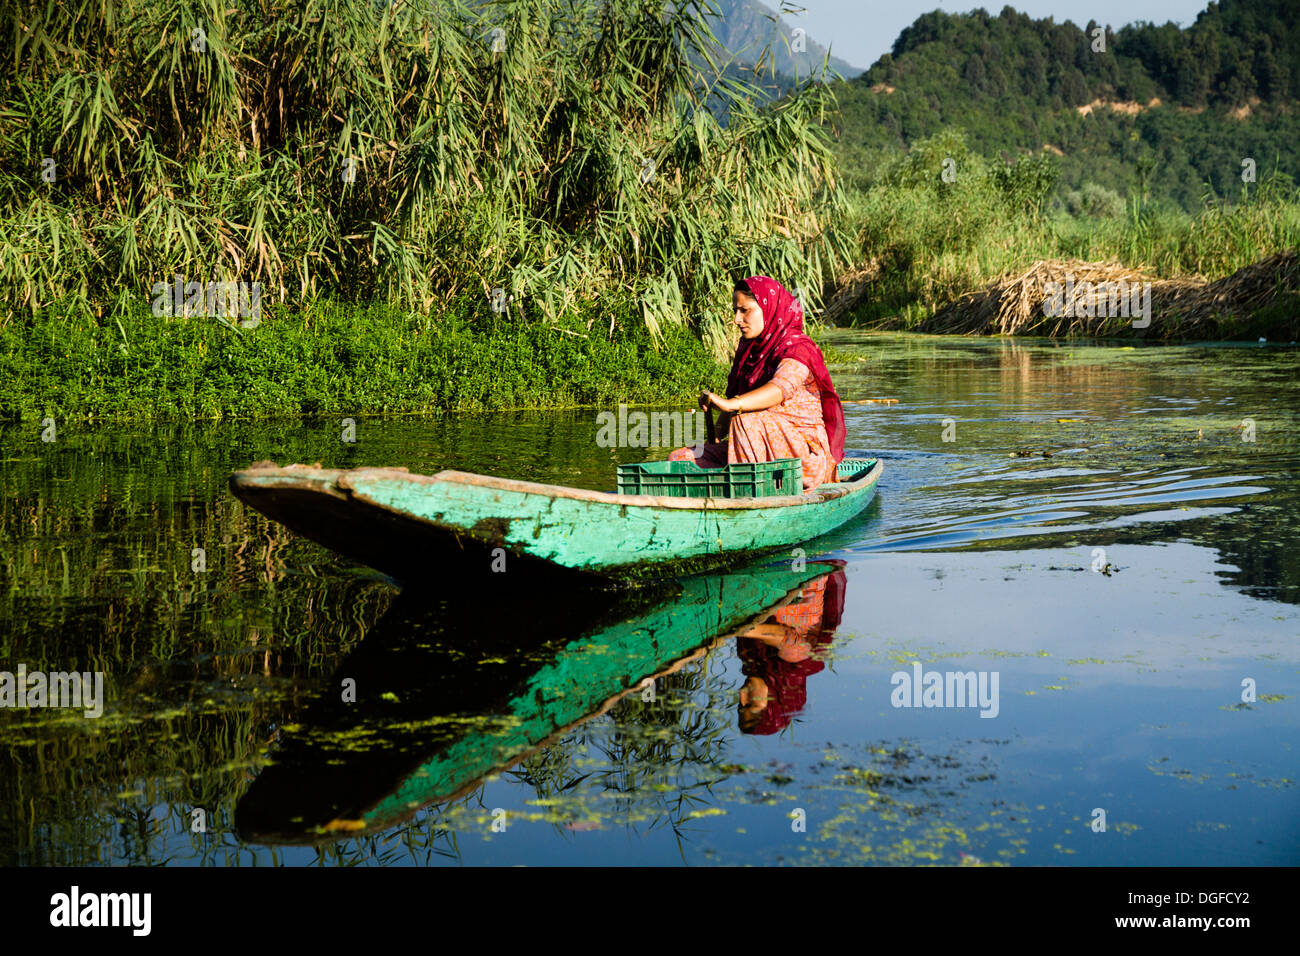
497 729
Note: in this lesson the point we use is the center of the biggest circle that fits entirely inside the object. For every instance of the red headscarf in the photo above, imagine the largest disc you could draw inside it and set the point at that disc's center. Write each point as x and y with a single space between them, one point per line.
783 337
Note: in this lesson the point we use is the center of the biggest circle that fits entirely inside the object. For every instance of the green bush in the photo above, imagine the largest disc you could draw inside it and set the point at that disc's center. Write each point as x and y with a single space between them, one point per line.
333 358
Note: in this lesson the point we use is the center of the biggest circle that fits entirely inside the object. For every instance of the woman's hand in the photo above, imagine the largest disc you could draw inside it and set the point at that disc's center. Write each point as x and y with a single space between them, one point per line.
710 400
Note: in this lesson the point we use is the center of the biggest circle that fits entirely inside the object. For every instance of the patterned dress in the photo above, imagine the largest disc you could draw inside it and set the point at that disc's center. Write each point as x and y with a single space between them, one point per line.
784 668
792 428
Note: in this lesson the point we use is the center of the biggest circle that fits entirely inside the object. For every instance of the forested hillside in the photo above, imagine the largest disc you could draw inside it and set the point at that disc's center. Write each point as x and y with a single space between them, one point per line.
1156 108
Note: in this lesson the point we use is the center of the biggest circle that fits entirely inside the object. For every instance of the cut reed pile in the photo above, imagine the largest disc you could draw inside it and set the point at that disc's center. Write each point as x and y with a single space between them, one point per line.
1072 297
848 290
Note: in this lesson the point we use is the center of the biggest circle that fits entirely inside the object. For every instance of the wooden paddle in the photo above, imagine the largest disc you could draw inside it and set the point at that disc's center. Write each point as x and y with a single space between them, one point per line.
709 431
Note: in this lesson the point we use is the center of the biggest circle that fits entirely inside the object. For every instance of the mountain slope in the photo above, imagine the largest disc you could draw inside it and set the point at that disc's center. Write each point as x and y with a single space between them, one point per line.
747 26
1184 107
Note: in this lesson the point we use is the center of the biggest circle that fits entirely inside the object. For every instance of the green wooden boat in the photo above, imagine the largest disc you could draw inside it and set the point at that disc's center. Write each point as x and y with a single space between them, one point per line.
448 694
455 524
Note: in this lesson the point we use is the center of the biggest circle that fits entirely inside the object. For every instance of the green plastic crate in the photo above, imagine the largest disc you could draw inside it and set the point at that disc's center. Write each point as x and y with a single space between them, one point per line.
685 479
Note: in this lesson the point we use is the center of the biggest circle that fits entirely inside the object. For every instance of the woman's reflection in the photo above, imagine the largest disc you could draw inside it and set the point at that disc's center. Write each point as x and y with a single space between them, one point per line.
780 653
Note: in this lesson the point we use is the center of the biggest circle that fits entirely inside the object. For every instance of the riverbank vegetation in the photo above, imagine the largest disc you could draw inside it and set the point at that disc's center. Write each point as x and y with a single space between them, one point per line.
541 202
410 154
340 359
927 240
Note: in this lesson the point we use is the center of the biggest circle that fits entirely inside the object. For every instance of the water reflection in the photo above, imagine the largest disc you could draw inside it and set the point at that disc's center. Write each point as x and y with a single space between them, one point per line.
781 652
446 695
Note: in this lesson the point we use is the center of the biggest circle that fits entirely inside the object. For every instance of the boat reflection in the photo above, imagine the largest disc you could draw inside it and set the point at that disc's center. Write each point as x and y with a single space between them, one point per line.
438 698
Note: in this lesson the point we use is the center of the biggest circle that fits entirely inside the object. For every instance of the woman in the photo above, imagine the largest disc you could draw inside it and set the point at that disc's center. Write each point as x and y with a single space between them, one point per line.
780 654
780 402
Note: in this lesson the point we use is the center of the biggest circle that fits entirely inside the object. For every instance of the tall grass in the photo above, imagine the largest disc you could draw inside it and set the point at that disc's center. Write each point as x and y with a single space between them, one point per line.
928 241
560 150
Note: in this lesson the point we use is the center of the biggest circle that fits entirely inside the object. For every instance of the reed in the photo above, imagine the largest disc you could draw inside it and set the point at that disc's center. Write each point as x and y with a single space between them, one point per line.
558 150
939 256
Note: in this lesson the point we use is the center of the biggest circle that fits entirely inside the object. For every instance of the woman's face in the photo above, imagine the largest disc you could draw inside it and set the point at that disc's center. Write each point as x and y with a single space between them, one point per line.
748 316
753 701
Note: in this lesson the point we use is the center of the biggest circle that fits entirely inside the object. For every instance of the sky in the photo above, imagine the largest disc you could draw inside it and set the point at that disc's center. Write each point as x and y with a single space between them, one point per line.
860 31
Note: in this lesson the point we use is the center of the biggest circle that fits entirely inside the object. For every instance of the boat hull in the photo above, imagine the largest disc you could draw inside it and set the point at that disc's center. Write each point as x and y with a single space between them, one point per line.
455 524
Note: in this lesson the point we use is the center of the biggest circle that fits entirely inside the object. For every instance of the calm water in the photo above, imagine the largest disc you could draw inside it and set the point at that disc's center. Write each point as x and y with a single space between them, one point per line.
493 730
